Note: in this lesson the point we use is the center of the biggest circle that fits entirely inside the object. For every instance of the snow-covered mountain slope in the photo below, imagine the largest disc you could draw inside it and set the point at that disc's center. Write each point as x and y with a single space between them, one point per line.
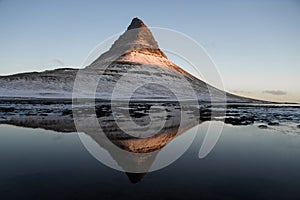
134 67
49 84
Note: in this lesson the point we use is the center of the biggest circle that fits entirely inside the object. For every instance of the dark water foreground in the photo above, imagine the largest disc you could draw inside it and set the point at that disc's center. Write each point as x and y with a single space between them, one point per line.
256 157
246 163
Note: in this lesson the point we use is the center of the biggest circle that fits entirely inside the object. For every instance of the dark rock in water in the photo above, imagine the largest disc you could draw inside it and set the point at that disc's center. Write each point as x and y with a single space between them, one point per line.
273 123
30 114
67 112
263 126
239 121
10 109
298 126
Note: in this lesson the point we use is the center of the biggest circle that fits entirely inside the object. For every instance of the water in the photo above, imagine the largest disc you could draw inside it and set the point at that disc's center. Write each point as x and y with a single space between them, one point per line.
246 163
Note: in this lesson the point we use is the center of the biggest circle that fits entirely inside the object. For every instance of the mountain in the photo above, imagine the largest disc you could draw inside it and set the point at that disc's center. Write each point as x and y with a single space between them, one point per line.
134 67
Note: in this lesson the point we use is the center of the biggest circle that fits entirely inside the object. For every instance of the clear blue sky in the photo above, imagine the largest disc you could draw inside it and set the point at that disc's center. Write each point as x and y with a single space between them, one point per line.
255 44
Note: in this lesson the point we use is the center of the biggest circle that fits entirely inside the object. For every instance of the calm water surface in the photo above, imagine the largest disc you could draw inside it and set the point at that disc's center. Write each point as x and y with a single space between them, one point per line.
246 163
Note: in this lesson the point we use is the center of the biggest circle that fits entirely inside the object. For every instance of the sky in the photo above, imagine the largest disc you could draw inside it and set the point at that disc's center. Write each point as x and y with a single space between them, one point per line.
255 45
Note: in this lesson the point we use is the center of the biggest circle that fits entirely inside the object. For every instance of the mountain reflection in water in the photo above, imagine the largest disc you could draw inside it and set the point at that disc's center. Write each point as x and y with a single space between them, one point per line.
59 116
60 119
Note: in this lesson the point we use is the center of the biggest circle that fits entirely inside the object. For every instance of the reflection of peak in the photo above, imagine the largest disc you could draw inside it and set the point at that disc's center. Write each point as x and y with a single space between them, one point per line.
135 177
146 145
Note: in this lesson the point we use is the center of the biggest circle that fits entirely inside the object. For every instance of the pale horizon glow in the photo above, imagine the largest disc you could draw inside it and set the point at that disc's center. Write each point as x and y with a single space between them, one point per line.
255 44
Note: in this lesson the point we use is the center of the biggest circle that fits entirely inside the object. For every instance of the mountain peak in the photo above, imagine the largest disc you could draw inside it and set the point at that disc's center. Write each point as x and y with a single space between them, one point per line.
136 23
137 38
